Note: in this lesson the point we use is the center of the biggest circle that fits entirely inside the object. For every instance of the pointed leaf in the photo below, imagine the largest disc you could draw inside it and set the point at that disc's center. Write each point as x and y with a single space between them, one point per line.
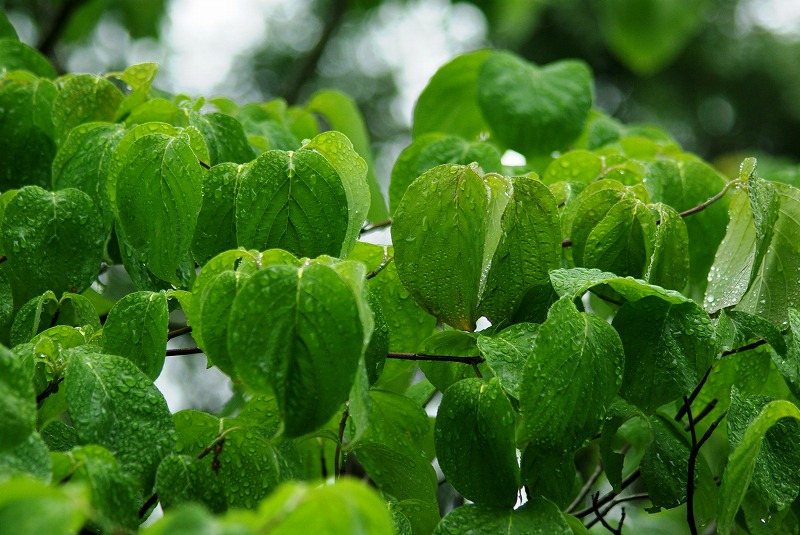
224 137
506 353
310 353
84 98
17 401
572 375
665 464
15 55
536 517
575 282
216 224
669 262
475 442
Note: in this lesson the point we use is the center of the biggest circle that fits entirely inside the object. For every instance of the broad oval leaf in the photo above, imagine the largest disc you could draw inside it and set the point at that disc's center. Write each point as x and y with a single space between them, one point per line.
475 442
113 404
506 353
309 354
16 55
84 98
534 110
216 223
53 241
136 328
665 464
536 517
572 375
224 137
155 187
668 348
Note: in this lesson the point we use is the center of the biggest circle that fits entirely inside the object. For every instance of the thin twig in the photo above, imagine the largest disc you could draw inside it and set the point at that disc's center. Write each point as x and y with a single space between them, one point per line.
705 412
566 243
178 332
440 358
180 351
477 371
587 487
52 388
615 502
151 501
386 261
376 226
203 164
3 258
611 495
337 469
601 516
682 410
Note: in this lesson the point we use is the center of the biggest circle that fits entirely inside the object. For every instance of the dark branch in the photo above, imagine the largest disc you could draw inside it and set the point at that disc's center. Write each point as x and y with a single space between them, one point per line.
178 332
682 410
477 371
203 164
3 258
601 516
705 412
376 226
308 64
566 243
52 388
440 358
183 351
151 501
47 43
337 466
615 502
386 261
587 487
611 495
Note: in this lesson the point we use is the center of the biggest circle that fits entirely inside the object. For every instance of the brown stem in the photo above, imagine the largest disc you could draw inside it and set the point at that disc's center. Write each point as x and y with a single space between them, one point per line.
587 487
178 332
611 495
386 261
177 352
682 410
3 258
52 388
615 502
337 468
376 226
203 164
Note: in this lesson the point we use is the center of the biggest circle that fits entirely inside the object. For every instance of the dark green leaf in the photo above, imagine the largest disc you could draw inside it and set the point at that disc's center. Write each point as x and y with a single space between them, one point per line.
668 349
83 160
506 353
54 241
182 479
7 30
224 137
33 317
665 465
30 506
136 328
84 98
26 131
537 517
575 282
475 442
29 457
572 375
115 405
669 262
549 475
534 110
309 353
457 84
216 225
455 343
155 187
618 413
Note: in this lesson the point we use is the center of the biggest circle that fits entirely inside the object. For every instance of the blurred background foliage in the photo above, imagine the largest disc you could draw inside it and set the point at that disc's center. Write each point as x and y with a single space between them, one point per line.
722 76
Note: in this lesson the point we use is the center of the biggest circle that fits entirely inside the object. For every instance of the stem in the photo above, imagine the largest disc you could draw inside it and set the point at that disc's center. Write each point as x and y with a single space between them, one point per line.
52 388
178 332
566 243
601 516
3 258
611 495
337 468
587 487
386 261
308 64
151 501
376 226
203 164
682 411
183 351
440 358
705 412
477 371
47 43
615 502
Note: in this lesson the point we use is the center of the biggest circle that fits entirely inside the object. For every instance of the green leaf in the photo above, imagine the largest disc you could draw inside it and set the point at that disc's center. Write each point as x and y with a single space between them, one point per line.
669 262
31 506
341 113
311 350
684 184
156 110
224 137
396 421
115 405
742 461
430 150
27 134
136 328
647 35
54 241
572 375
182 479
352 170
536 517
84 98
475 442
575 282
445 232
456 343
375 353
506 353
776 286
17 401
348 506
212 294
408 324
216 225
778 460
587 210
665 464
7 30
534 110
457 84
549 475
404 476
294 201
619 412
155 187
789 366
668 349
33 317
15 55
30 458
83 160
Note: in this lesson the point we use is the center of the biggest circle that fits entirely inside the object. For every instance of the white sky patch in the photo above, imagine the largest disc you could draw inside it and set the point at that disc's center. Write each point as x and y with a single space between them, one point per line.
778 16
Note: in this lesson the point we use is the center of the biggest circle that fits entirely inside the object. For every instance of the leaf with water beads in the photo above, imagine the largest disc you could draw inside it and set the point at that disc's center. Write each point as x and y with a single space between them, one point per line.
28 458
216 226
572 375
84 98
16 55
113 404
475 442
665 463
224 137
54 241
136 328
506 353
536 517
17 401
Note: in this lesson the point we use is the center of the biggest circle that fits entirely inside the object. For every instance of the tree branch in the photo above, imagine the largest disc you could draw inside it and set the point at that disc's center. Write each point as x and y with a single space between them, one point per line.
177 352
308 64
386 261
178 332
682 410
611 495
47 43
587 487
337 468
3 258
52 388
615 502
440 358
376 226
